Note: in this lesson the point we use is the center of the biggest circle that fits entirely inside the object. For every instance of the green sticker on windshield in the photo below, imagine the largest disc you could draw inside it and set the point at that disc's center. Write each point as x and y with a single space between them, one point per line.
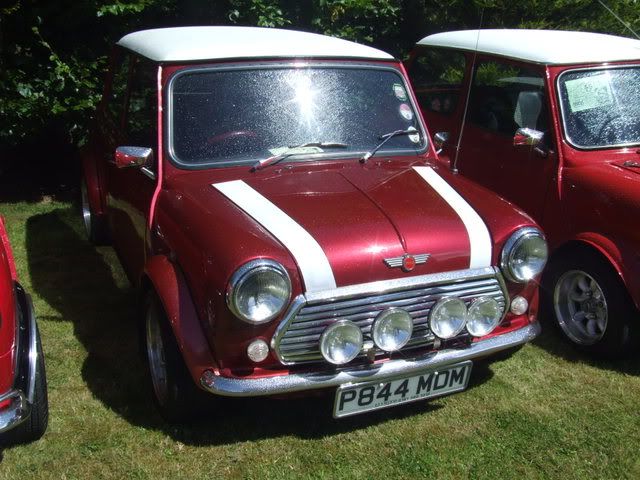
399 92
589 92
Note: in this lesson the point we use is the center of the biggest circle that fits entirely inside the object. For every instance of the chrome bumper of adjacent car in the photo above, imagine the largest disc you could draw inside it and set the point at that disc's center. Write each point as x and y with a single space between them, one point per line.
20 397
17 410
250 387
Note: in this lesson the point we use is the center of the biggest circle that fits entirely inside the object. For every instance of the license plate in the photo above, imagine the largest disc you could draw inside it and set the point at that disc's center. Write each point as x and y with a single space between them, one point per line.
364 397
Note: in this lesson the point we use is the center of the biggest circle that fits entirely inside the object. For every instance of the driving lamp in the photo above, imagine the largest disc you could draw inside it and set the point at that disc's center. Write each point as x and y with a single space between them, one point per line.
484 315
341 342
392 329
448 317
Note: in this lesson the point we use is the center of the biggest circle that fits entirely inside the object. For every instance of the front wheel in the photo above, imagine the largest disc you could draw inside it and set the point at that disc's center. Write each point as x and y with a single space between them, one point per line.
591 305
174 392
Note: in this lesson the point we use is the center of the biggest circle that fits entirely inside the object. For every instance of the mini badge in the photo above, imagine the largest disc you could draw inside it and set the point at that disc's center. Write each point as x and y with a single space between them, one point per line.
399 92
407 262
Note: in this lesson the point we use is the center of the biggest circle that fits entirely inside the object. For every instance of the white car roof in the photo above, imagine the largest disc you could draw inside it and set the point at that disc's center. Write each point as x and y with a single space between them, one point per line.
185 44
550 47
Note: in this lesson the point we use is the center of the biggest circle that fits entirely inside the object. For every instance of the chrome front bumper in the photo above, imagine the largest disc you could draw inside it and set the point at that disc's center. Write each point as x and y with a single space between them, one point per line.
241 387
22 394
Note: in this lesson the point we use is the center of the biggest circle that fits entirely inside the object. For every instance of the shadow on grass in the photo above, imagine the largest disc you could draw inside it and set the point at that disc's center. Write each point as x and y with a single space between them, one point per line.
553 342
76 280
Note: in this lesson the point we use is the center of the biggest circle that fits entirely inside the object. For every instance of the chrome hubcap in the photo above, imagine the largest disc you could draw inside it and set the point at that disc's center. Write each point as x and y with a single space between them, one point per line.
156 355
580 306
86 209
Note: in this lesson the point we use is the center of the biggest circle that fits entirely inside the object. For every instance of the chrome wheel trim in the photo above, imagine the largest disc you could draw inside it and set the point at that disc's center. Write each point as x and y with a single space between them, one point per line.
156 355
86 208
580 307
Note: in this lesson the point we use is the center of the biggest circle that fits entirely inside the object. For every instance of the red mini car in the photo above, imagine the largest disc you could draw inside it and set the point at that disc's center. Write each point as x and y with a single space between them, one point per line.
24 411
552 123
275 196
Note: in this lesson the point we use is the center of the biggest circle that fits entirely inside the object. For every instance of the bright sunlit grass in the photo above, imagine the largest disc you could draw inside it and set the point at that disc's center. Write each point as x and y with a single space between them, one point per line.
545 412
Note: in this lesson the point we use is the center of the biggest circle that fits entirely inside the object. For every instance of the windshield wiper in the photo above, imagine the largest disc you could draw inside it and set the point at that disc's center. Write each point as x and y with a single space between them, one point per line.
291 150
385 138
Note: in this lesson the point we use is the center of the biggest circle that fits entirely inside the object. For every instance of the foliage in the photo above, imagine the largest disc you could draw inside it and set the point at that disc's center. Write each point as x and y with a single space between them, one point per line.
53 54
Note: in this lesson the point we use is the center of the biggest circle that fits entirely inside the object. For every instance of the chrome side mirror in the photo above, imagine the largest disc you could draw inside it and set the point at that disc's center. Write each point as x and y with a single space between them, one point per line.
439 140
530 137
133 157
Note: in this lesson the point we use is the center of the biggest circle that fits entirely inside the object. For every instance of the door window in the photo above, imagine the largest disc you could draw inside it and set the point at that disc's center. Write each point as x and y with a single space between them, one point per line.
505 98
437 75
141 122
116 97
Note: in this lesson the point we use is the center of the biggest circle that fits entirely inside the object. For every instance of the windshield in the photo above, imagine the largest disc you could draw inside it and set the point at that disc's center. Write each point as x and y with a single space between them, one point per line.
235 116
601 108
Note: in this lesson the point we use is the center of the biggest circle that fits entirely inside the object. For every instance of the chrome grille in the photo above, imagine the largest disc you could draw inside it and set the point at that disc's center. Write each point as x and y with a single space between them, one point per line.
297 338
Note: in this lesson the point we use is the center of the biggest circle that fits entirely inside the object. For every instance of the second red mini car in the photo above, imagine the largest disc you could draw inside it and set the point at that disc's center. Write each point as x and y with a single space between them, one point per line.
552 122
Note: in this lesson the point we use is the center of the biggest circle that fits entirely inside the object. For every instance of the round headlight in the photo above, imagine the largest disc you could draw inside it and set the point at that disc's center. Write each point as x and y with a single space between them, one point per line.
259 291
524 255
484 316
392 329
448 317
341 342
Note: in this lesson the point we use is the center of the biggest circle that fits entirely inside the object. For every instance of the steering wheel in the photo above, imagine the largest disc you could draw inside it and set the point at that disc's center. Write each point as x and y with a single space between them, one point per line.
619 128
606 127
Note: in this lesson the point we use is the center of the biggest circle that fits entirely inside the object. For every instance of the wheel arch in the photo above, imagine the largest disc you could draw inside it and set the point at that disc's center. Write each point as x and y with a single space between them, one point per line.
601 247
166 280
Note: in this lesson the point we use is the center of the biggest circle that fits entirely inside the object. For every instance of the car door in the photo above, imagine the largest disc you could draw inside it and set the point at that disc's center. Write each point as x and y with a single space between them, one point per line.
503 98
131 189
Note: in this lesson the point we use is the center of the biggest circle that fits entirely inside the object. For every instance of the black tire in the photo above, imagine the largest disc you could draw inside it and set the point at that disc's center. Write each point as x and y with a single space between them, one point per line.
173 389
95 225
34 427
590 305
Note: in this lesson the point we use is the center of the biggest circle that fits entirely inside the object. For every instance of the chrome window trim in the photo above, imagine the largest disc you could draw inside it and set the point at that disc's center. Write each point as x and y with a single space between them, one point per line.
383 287
562 111
316 64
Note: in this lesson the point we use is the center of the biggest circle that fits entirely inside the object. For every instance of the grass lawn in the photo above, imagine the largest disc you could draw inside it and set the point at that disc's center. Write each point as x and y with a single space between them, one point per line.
545 412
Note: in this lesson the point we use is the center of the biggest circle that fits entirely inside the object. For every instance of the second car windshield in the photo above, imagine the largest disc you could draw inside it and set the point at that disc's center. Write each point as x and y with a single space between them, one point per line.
237 116
601 107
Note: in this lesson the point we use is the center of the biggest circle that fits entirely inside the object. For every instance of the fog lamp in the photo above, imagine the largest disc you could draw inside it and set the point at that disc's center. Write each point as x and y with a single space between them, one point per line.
484 315
448 317
341 342
392 329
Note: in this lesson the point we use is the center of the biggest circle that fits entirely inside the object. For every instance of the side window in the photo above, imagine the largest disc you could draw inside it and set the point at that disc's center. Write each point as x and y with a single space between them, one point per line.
505 97
437 75
116 95
141 118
